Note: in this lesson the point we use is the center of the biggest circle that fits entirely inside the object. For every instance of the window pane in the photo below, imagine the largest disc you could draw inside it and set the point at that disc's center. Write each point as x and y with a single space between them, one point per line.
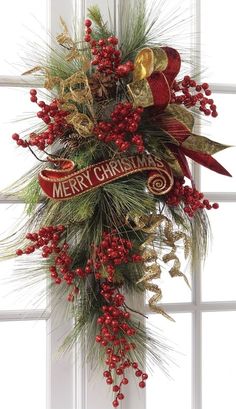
163 392
23 364
218 40
219 360
21 22
15 160
15 289
219 278
221 129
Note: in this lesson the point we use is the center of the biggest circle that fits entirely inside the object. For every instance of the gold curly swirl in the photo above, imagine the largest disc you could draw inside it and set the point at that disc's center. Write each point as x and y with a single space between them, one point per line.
149 225
154 272
159 183
72 91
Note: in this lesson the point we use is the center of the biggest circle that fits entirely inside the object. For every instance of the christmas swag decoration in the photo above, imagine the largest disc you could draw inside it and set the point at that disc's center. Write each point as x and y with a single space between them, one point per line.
113 197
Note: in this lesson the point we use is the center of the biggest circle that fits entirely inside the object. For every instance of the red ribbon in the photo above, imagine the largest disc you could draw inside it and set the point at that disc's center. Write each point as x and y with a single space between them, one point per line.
161 82
65 183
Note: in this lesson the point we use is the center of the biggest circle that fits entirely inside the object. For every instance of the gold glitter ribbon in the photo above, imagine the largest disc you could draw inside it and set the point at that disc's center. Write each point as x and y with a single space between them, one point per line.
149 225
181 114
65 40
153 272
147 61
141 93
202 144
173 163
81 122
171 237
76 88
72 91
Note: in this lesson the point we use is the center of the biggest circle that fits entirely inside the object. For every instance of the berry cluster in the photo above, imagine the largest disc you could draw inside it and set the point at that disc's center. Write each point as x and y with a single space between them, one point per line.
113 251
53 117
192 199
115 334
106 56
48 238
122 129
190 98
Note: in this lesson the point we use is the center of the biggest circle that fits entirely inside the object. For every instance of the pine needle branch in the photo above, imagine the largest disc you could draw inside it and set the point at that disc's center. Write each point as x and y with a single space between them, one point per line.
101 28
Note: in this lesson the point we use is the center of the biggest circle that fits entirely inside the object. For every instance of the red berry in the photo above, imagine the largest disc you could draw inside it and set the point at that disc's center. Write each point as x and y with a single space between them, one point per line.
112 40
98 338
40 114
115 403
19 252
80 272
88 23
138 373
208 92
205 85
61 228
125 381
70 297
142 384
46 119
33 91
120 396
15 137
102 42
215 205
87 38
41 104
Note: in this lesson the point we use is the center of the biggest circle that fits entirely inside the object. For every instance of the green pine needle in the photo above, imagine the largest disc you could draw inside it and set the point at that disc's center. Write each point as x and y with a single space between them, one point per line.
100 28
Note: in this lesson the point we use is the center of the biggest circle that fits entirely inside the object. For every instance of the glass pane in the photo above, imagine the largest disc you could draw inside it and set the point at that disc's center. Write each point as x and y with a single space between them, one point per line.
17 291
219 360
21 22
218 40
23 364
219 278
175 392
15 161
221 129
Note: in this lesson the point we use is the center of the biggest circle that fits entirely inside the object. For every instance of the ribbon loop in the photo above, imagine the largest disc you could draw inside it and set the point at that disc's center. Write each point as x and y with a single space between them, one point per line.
149 60
154 73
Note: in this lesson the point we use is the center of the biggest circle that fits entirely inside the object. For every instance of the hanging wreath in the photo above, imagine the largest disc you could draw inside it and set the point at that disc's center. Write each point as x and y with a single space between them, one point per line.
113 197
